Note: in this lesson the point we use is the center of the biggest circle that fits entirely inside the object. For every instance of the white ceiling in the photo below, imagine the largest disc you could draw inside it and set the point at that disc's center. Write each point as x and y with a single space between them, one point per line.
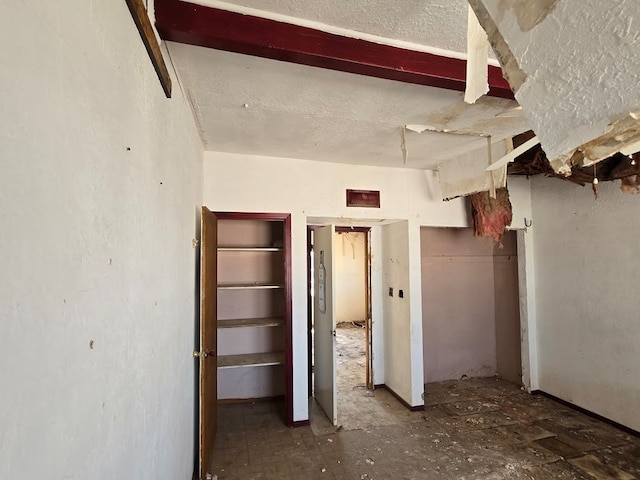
438 24
252 105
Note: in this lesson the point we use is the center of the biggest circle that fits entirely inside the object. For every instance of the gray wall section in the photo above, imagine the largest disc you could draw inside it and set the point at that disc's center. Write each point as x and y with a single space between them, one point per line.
587 280
470 305
507 310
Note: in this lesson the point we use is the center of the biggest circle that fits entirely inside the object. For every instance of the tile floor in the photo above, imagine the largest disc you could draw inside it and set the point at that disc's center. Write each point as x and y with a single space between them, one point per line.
470 429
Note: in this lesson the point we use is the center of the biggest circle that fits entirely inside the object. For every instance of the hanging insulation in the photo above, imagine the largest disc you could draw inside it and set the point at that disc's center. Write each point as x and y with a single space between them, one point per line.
491 216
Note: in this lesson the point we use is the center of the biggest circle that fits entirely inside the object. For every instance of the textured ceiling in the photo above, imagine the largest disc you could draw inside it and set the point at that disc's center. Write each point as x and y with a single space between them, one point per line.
434 23
257 106
310 113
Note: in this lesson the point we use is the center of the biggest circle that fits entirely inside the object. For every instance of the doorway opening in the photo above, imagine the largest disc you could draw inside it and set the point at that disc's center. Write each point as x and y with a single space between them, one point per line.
470 306
353 312
350 289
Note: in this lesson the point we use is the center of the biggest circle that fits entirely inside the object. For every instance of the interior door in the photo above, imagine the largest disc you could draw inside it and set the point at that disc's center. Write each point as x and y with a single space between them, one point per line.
324 329
208 338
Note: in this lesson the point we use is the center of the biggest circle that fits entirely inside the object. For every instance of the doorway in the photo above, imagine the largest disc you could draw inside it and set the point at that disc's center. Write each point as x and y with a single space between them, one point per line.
350 285
470 306
353 312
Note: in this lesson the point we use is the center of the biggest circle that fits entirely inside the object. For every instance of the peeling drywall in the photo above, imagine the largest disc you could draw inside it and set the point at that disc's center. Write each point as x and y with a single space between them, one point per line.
486 117
468 174
573 66
510 68
528 13
621 133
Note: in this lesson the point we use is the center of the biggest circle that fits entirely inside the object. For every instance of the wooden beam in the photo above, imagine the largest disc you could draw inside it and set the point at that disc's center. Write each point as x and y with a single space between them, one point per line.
141 18
234 32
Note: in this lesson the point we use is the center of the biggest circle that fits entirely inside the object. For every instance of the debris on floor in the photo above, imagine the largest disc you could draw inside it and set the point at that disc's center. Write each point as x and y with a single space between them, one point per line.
472 429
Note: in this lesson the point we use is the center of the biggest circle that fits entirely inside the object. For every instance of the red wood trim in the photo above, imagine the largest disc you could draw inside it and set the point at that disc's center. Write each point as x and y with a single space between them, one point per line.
251 216
352 229
415 408
234 32
141 19
288 329
309 317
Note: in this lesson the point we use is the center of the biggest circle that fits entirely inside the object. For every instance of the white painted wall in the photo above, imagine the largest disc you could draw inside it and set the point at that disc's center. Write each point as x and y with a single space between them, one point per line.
351 280
398 345
586 287
234 182
96 246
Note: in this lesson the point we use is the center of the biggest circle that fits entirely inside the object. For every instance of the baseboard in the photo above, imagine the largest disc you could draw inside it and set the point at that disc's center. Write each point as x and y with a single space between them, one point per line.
300 423
416 408
589 413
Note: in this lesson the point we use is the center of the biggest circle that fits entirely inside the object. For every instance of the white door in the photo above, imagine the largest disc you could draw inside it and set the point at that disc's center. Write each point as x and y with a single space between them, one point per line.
324 329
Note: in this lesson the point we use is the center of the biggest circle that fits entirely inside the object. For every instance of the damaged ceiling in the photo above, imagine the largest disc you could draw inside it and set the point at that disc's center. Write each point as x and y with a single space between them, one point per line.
261 106
390 90
573 65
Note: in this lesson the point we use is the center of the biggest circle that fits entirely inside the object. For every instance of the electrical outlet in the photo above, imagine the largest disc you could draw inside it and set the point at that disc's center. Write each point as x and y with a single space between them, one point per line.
400 293
391 291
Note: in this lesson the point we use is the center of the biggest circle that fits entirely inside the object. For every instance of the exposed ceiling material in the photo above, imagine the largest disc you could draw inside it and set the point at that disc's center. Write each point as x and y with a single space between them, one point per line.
491 216
625 168
573 66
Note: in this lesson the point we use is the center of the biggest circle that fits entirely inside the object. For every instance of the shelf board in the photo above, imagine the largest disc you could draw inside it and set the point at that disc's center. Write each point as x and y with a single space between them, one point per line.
251 360
251 322
250 249
249 286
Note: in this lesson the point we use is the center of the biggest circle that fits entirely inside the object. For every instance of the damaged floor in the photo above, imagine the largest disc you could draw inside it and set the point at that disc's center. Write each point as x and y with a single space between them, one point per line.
470 429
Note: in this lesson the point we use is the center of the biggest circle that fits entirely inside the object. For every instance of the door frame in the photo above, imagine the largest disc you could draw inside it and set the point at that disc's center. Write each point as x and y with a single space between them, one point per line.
368 294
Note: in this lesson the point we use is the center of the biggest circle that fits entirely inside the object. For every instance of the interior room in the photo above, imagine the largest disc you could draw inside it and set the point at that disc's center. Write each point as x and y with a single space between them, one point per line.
155 305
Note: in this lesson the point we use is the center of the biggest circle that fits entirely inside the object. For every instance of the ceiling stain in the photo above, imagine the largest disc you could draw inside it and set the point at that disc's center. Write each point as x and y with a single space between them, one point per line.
479 119
528 13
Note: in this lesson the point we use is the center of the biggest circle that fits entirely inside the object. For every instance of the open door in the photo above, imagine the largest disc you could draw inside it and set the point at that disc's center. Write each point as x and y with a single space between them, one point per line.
324 323
208 338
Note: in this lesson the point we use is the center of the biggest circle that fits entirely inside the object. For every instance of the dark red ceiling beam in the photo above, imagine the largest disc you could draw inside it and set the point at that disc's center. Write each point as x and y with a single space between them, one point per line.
234 32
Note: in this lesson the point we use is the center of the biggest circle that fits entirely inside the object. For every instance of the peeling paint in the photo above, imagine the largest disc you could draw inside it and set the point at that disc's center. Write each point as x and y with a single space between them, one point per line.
528 13
510 68
465 119
478 52
621 134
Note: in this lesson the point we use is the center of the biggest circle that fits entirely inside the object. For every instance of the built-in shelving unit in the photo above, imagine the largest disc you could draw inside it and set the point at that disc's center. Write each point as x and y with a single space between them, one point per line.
252 307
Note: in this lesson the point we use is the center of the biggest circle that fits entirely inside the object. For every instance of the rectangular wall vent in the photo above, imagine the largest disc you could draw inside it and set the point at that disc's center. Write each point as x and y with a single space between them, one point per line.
363 198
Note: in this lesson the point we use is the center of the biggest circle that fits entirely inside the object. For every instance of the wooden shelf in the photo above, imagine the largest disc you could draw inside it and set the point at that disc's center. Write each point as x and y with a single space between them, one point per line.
250 249
249 286
251 360
251 322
